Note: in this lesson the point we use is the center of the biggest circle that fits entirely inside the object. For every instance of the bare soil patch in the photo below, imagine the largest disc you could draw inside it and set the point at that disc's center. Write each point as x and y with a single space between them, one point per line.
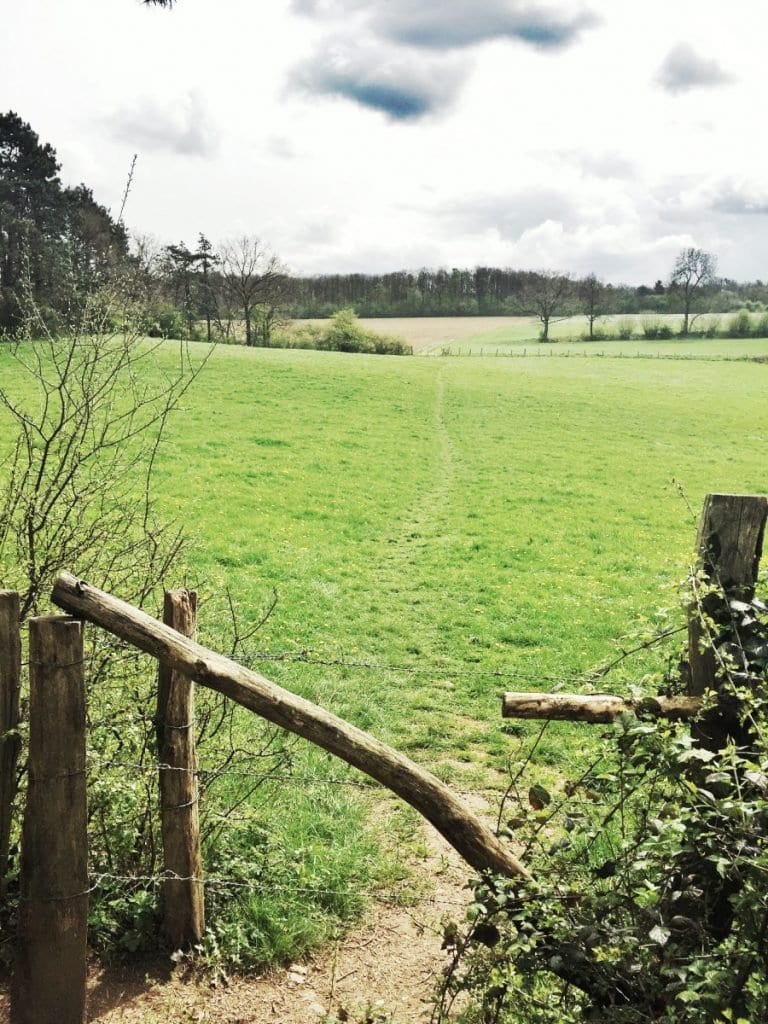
384 971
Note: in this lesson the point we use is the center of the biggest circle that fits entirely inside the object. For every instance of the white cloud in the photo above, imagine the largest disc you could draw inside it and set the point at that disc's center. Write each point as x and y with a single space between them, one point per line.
683 69
183 126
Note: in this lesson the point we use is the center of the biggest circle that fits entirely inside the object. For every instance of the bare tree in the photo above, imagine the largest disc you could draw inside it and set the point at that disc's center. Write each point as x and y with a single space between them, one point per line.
546 295
253 279
89 409
594 300
694 271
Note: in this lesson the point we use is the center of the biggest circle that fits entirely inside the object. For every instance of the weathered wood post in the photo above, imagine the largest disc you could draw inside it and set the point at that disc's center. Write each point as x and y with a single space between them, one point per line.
50 973
729 547
10 685
183 901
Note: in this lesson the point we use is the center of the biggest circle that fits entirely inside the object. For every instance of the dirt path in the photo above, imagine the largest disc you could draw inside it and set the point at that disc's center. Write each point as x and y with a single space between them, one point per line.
383 972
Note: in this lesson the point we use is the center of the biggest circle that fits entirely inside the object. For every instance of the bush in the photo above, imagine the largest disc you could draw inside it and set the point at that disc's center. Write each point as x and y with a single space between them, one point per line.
651 330
761 328
167 323
344 334
625 330
651 901
740 326
712 327
657 331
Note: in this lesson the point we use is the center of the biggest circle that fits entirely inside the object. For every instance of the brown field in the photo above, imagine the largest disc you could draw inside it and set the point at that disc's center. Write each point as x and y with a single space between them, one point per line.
428 334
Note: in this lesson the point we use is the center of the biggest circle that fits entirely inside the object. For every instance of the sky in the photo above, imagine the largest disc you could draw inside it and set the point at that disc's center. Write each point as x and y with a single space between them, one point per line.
379 135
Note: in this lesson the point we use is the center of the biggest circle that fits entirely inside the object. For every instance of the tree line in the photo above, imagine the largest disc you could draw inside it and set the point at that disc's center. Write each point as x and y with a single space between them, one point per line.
58 246
494 291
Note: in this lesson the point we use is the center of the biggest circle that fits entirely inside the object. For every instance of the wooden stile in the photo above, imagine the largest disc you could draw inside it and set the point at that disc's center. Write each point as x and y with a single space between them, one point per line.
49 978
424 791
10 685
183 900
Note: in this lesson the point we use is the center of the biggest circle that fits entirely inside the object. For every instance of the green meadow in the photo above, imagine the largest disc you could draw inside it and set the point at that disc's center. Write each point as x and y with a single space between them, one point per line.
568 338
436 531
452 521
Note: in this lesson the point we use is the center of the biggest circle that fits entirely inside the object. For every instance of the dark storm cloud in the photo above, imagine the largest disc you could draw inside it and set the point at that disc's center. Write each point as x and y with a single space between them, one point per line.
455 24
683 69
185 128
379 66
513 214
401 88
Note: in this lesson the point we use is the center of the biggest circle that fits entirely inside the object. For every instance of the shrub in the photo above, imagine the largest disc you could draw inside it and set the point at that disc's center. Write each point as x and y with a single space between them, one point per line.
651 330
761 327
167 323
712 327
344 334
740 326
651 903
625 330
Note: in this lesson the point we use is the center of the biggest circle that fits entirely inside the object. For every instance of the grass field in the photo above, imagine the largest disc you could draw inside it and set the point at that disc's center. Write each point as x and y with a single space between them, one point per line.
454 517
441 530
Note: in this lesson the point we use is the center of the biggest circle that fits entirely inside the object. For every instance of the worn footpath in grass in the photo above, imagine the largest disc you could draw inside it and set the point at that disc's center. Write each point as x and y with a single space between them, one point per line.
447 520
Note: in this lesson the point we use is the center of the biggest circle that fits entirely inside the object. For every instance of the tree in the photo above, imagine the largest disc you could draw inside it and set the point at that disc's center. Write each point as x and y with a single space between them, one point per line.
254 280
88 428
95 243
207 259
694 271
181 264
56 244
30 206
594 300
546 295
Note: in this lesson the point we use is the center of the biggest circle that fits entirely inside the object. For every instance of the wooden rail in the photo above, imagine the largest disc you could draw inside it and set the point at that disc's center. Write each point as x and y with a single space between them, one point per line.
596 708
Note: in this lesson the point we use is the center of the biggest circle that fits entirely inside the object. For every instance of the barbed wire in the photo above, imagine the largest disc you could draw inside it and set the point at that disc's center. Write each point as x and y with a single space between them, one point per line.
214 774
395 898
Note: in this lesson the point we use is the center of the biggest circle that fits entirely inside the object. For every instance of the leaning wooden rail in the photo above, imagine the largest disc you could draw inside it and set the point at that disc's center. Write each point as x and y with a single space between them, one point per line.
479 847
596 707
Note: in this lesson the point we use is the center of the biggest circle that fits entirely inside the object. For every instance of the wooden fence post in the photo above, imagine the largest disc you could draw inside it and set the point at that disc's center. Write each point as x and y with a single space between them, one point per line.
50 973
729 547
10 685
183 900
